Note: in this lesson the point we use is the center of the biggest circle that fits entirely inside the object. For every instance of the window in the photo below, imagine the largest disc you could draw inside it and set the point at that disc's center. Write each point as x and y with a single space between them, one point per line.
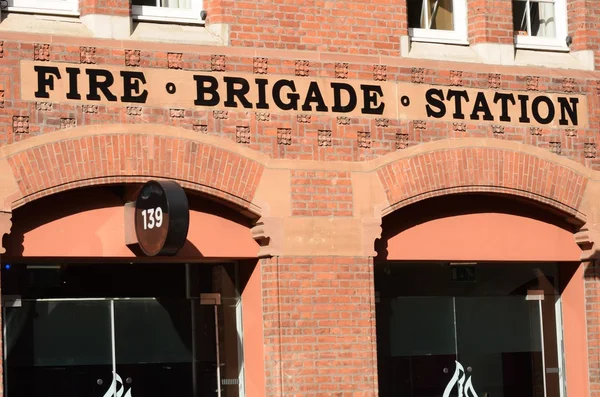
443 21
174 10
65 7
540 24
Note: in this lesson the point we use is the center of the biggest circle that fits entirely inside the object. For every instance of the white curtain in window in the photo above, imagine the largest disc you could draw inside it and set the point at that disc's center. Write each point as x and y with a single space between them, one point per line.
545 20
178 3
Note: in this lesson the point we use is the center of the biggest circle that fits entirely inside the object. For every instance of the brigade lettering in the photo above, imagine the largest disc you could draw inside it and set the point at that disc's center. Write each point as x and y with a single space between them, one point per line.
160 88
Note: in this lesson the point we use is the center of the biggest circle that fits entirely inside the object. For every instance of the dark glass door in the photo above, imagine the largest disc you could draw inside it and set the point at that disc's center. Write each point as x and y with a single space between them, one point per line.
57 348
493 335
166 347
138 347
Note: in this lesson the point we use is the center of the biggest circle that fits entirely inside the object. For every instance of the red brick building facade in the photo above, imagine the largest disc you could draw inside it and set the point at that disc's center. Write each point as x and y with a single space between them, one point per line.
354 163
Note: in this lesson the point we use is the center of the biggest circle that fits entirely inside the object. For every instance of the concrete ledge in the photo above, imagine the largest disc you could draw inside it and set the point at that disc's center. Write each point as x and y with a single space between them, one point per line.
108 26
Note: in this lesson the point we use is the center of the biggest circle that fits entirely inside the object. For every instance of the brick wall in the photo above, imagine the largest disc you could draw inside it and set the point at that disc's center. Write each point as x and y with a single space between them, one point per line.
354 27
490 21
304 137
319 325
321 193
584 25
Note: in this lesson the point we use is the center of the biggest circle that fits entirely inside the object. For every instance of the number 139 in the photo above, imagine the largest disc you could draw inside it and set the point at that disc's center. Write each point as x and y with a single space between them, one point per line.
153 217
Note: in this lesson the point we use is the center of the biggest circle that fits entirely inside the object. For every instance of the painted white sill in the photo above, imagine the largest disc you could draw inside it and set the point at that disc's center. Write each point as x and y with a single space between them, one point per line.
42 11
168 19
439 40
542 47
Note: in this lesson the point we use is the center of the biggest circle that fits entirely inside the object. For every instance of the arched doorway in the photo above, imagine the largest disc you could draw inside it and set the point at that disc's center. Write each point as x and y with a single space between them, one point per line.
84 314
472 291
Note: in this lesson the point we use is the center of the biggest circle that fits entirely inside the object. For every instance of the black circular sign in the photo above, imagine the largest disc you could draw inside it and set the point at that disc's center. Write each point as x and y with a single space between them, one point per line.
162 218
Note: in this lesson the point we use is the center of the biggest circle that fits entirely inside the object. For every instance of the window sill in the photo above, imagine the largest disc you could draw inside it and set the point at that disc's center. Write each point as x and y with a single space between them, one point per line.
439 40
177 33
48 24
542 47
168 19
43 11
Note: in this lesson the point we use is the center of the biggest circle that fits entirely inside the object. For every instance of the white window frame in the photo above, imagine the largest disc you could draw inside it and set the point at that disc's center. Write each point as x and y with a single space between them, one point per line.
167 14
54 7
557 43
456 36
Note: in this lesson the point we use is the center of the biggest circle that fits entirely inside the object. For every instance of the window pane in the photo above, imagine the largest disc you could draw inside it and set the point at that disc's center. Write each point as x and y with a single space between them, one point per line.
520 18
431 14
543 19
58 348
164 3
144 2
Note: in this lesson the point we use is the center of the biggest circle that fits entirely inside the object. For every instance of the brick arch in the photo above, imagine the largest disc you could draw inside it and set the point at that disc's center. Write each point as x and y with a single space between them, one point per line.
482 165
97 155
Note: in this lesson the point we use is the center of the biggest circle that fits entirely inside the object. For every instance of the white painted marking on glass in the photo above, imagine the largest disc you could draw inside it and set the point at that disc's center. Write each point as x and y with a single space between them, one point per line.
465 385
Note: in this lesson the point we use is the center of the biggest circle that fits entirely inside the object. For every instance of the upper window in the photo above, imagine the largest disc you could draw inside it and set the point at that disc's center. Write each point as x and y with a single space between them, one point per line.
540 23
443 21
187 11
44 6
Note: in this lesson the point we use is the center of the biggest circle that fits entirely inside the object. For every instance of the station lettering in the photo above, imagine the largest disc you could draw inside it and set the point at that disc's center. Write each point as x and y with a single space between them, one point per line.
541 108
160 88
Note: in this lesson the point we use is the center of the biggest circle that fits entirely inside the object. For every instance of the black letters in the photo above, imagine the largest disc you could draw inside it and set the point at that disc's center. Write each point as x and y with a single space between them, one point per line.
337 98
481 106
524 118
103 86
566 108
370 93
458 95
262 96
435 98
202 90
73 91
504 98
535 109
240 93
293 97
131 85
44 81
314 95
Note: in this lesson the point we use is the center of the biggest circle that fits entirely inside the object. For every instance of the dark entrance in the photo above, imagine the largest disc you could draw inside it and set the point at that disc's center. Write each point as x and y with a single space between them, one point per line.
123 330
468 330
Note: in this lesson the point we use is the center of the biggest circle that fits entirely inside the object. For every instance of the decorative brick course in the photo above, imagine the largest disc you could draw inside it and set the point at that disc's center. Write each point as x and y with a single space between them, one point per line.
132 57
41 52
87 55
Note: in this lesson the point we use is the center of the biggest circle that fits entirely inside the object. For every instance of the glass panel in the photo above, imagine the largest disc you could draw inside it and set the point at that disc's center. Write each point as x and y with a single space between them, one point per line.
431 14
432 347
543 19
58 349
187 4
500 345
490 327
155 342
520 18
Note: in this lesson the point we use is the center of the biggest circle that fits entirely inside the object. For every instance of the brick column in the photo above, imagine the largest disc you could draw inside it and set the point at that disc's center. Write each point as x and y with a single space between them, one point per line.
107 18
490 29
319 326
584 28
